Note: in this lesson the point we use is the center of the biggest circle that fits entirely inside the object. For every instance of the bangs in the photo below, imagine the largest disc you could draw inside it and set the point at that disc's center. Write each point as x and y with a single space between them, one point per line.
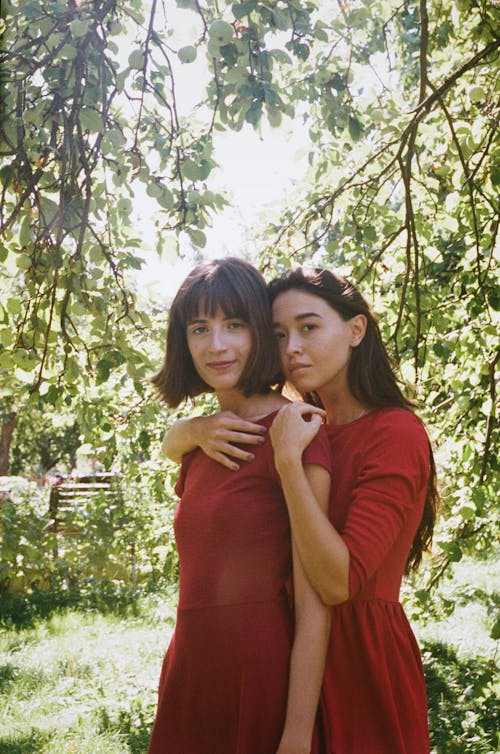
207 296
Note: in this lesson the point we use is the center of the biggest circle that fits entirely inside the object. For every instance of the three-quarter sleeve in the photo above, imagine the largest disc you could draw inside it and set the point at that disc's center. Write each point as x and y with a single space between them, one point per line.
388 495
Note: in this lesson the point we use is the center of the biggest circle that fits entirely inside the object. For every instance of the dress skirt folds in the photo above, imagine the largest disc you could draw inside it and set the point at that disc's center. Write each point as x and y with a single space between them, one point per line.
224 682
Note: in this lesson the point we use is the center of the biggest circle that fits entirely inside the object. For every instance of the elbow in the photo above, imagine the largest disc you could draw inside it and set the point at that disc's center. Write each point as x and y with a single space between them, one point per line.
170 452
334 589
333 594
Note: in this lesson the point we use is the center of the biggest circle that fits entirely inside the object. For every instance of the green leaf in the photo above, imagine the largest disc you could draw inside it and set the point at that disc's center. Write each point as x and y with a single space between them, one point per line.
355 129
191 170
302 50
495 631
253 114
136 59
154 189
230 54
6 361
124 206
240 10
166 199
79 28
103 370
23 261
25 231
452 549
14 306
27 362
274 117
90 120
281 56
477 94
197 237
281 19
7 337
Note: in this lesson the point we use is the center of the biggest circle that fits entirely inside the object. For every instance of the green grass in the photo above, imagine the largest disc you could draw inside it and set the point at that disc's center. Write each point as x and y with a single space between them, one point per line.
460 660
82 683
85 683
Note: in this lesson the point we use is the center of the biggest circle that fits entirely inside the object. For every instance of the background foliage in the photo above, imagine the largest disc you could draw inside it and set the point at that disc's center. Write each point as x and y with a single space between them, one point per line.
397 104
397 101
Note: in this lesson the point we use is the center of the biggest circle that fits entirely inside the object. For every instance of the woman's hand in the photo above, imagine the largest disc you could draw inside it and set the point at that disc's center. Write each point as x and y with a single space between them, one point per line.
215 435
292 430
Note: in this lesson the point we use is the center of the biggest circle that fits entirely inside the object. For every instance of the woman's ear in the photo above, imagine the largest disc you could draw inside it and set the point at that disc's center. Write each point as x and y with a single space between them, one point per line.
358 329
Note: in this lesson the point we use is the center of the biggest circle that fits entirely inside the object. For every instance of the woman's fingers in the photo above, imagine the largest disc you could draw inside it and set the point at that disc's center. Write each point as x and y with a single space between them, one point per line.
304 409
293 429
222 433
231 428
225 461
243 438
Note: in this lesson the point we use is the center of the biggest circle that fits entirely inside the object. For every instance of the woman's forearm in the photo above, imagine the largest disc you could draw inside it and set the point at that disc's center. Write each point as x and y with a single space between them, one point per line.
323 553
307 663
181 438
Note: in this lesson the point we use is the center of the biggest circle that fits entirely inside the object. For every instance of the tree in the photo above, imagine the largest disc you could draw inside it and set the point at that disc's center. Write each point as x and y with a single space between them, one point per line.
398 101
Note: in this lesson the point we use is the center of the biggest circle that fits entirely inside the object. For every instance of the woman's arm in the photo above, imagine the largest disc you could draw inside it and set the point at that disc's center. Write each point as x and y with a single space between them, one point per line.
323 553
385 505
215 435
312 629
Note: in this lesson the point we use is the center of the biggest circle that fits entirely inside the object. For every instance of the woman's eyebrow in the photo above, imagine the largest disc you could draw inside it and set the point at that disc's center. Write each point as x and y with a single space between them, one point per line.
308 314
300 317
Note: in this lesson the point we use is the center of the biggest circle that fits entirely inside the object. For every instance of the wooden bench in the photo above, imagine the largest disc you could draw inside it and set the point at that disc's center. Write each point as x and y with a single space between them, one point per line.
69 494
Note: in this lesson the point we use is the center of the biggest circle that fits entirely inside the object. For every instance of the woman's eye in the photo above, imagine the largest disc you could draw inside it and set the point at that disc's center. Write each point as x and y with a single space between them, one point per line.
236 325
279 335
309 326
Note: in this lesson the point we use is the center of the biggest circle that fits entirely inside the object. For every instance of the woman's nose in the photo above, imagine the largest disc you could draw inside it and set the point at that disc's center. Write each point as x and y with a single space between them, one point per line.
217 340
294 344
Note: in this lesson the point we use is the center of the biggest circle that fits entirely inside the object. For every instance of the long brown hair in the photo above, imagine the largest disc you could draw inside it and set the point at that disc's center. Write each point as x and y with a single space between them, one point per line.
371 373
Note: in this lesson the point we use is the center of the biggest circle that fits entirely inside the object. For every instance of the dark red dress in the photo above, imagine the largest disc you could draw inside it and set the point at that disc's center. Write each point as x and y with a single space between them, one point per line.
224 681
374 696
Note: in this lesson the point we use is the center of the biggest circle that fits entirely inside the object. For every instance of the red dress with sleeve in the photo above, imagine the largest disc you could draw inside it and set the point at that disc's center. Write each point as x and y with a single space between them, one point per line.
374 696
224 682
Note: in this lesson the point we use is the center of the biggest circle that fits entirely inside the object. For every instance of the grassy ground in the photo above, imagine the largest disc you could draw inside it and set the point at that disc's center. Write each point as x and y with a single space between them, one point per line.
82 683
85 683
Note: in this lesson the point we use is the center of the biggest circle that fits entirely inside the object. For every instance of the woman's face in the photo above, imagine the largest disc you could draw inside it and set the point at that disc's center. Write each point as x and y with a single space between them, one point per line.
220 347
315 342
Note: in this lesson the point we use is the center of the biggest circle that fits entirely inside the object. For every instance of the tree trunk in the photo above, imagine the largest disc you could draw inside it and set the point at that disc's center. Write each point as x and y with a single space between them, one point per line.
5 440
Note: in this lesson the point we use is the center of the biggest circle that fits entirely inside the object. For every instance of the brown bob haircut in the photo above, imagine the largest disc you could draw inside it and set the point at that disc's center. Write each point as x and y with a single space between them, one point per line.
240 291
371 375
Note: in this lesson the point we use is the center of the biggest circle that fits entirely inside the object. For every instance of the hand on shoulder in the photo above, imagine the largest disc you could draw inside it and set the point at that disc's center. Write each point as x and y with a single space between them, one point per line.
292 430
217 436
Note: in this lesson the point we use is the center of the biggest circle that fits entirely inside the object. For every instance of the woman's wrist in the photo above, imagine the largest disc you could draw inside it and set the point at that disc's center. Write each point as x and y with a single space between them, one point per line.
195 430
287 460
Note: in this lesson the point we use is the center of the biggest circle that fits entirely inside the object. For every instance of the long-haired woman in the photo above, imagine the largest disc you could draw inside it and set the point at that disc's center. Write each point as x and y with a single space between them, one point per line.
381 513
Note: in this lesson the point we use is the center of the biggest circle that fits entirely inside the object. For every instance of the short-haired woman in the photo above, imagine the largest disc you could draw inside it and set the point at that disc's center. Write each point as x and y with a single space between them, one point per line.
243 670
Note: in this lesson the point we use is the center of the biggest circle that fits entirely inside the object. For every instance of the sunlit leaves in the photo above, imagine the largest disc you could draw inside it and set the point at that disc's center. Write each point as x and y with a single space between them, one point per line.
400 121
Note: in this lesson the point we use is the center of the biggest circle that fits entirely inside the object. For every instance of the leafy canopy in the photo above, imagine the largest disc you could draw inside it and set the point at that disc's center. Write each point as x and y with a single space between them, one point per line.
398 104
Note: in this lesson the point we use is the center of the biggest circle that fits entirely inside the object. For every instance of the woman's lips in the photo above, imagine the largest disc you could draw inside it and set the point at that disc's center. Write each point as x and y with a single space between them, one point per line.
219 366
296 369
